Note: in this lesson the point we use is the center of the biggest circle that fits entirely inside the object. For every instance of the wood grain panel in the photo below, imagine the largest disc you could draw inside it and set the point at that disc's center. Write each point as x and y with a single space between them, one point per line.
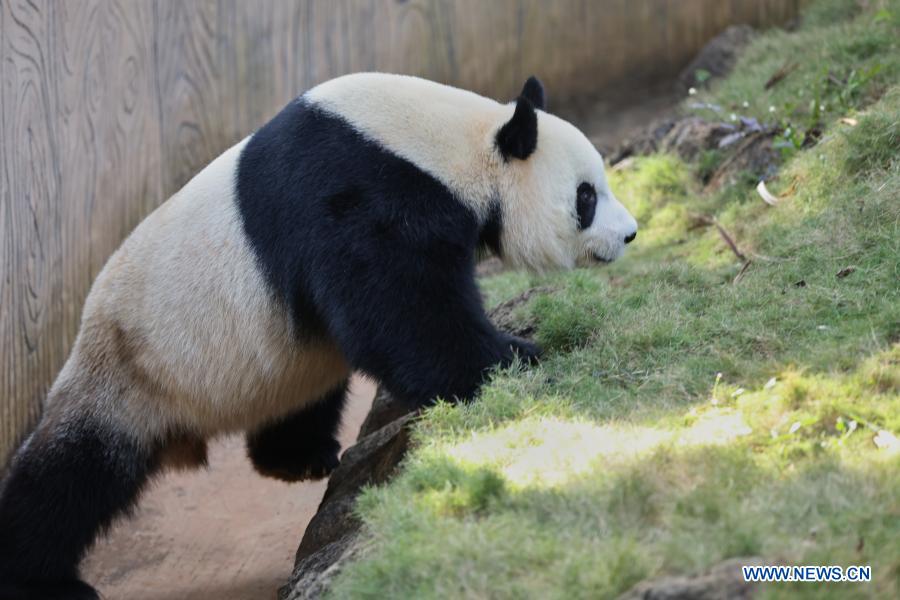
32 270
109 106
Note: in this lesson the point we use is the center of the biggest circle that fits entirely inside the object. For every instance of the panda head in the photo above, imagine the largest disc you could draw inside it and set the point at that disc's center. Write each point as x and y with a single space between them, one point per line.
556 210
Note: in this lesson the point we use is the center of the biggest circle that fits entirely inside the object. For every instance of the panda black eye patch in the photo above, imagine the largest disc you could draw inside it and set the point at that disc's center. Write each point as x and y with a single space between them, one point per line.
586 205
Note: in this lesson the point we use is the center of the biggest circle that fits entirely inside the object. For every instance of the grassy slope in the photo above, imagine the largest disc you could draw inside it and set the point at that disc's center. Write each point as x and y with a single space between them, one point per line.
624 455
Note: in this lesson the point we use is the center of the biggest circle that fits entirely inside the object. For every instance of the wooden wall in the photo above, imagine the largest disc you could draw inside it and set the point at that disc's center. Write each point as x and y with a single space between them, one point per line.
108 106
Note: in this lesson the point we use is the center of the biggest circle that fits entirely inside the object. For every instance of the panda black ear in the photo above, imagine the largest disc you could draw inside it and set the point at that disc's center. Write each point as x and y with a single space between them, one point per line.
534 91
518 136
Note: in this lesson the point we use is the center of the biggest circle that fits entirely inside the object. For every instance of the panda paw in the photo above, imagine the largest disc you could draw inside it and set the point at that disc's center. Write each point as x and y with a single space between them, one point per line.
313 463
528 352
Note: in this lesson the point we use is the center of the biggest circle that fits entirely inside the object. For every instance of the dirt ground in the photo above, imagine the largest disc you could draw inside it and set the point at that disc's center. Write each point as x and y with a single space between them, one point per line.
609 120
224 532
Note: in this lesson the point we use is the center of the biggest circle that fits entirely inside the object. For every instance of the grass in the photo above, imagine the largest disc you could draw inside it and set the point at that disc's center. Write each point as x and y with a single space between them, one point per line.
841 59
679 418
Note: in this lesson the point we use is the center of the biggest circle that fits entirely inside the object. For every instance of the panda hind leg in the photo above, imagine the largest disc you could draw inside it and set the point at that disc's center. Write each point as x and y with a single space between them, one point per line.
303 444
65 487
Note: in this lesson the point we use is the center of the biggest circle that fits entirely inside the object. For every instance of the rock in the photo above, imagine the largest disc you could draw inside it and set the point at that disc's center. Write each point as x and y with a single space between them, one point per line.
692 135
755 155
332 536
723 581
385 409
313 574
643 141
747 145
370 461
687 137
717 58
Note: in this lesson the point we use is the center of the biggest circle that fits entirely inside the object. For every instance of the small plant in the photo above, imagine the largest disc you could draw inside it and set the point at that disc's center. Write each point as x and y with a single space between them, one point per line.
851 87
701 76
707 163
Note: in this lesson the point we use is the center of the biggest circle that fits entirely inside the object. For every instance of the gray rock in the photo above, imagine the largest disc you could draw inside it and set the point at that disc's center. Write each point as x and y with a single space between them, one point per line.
687 137
754 154
313 574
692 135
370 462
642 140
385 409
331 537
723 581
747 146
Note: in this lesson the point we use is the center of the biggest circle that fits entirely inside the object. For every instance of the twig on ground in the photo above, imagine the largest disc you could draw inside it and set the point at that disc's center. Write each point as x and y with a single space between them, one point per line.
705 220
740 274
780 74
708 220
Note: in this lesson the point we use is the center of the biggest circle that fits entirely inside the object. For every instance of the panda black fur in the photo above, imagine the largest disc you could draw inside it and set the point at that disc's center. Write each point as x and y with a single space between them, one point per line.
340 236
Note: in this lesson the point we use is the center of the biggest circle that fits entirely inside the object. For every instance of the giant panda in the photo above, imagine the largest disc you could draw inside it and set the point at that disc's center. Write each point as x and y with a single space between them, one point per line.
340 236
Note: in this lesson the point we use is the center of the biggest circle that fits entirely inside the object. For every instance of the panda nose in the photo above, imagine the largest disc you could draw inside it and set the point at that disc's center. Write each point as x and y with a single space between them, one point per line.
630 238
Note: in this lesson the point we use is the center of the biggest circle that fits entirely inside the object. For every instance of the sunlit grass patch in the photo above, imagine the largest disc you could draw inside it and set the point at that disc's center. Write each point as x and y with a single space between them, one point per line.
657 191
543 506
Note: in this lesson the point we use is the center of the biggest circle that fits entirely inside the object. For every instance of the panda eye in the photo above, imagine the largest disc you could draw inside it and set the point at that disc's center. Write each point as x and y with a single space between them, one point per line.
586 205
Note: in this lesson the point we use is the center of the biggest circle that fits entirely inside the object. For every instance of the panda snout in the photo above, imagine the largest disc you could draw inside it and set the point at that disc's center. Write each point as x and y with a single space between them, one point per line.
630 237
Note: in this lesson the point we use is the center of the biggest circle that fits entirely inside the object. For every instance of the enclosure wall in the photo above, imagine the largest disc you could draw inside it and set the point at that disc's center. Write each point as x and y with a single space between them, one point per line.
109 106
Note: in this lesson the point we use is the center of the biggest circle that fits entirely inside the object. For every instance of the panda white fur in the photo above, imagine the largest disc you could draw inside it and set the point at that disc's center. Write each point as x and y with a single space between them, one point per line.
340 236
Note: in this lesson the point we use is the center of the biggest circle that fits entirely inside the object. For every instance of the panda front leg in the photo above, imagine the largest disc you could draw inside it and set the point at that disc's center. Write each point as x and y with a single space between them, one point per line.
528 352
66 484
302 445
421 330
451 362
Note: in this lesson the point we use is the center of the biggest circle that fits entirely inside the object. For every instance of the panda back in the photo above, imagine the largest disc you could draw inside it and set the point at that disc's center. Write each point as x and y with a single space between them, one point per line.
325 209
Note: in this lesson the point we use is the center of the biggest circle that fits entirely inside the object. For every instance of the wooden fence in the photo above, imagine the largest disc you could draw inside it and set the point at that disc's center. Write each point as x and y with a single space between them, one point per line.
109 106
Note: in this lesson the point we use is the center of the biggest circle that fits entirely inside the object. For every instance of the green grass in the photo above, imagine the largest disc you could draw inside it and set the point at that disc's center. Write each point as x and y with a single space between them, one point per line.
842 57
680 418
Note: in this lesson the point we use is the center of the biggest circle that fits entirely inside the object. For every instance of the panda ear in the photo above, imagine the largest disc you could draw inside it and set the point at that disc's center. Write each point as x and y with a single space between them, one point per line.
534 91
518 136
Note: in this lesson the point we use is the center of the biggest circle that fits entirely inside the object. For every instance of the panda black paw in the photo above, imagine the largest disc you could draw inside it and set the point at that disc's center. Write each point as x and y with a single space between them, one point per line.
322 462
528 352
315 461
